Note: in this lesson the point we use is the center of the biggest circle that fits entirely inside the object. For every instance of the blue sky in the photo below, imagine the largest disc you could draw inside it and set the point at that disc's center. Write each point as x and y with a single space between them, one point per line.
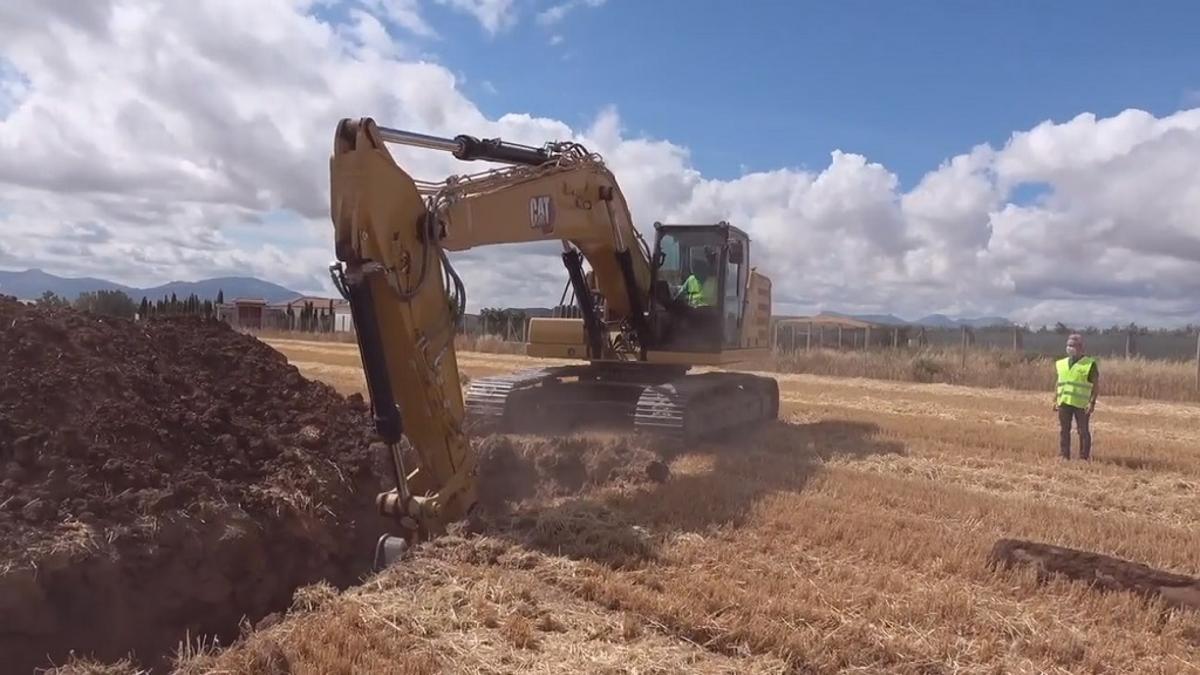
762 85
903 157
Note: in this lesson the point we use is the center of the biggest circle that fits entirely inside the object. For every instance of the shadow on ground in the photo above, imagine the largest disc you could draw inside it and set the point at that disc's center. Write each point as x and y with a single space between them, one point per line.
714 484
1138 463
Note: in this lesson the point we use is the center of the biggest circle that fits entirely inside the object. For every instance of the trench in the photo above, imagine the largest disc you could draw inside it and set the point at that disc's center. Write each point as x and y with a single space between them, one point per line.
197 579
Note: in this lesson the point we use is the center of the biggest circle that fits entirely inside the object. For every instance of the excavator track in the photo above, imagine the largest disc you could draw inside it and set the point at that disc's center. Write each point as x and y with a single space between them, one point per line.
694 407
684 407
488 396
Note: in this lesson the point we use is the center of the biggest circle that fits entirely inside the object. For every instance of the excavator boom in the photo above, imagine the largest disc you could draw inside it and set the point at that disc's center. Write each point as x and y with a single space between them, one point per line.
391 236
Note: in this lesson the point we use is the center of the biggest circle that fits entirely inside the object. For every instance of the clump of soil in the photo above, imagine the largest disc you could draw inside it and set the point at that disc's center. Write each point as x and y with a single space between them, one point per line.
165 478
1101 571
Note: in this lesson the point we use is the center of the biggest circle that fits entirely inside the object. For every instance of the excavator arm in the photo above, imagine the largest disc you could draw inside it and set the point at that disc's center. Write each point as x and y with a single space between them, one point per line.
390 269
390 240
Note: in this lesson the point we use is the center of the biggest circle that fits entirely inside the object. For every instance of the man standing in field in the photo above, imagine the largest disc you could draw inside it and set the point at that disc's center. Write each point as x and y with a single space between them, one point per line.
1075 396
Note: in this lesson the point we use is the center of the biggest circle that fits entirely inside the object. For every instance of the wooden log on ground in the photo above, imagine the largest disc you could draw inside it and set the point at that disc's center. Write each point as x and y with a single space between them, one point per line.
1102 571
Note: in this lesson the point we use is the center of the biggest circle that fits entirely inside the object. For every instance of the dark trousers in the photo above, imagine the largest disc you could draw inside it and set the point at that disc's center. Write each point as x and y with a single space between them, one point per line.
1065 414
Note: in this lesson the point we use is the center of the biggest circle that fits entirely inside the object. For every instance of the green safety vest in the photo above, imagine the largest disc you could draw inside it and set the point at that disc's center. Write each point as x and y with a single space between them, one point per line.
698 294
1073 386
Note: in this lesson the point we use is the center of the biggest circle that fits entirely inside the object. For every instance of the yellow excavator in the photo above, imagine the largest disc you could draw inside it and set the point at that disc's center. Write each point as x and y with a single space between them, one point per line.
643 317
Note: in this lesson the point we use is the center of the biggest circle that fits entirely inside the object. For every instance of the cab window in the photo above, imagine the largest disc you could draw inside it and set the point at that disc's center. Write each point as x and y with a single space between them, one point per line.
686 253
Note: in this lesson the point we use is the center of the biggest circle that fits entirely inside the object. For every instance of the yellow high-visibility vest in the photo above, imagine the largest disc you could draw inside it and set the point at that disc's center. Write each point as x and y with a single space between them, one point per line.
700 294
1073 386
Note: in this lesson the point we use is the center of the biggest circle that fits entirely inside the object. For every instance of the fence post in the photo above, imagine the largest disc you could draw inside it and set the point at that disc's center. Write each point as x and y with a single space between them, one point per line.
821 336
1130 348
867 339
808 338
895 338
1018 339
964 347
839 336
1198 361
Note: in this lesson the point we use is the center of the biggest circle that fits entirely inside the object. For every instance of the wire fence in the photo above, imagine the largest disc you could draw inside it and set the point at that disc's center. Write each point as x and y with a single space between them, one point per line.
1180 348
798 335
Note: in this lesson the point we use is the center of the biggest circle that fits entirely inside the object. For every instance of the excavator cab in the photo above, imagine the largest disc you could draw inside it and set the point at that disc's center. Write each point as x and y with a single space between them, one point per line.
699 280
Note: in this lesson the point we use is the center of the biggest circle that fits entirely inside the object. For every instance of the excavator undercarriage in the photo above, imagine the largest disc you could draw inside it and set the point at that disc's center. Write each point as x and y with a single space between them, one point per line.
658 399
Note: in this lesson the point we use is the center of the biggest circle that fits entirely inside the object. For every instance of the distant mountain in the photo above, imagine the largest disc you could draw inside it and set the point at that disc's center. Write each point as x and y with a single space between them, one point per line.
943 321
885 319
233 287
31 284
936 321
931 321
988 322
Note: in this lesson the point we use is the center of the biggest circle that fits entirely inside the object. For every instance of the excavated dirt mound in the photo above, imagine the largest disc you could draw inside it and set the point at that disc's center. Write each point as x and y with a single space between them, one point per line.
175 480
164 479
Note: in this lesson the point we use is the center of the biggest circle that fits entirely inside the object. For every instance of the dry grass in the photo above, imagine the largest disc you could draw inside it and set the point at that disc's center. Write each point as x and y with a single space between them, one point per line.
852 537
490 344
993 368
78 666
462 606
1136 377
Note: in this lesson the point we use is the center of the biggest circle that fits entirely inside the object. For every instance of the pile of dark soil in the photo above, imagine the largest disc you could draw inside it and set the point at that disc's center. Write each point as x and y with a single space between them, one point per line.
162 479
173 479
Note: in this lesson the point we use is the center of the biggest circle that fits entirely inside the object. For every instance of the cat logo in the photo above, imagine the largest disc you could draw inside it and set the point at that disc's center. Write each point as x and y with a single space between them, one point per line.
541 214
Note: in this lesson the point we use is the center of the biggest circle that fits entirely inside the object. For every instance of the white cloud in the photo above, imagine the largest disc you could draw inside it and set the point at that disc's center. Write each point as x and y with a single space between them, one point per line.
555 39
403 13
371 36
556 13
145 141
494 15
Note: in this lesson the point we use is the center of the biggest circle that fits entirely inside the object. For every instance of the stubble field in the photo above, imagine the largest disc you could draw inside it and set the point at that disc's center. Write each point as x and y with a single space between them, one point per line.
851 536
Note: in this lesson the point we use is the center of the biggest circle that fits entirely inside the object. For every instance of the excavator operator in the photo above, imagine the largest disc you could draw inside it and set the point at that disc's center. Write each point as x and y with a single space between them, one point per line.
699 293
700 288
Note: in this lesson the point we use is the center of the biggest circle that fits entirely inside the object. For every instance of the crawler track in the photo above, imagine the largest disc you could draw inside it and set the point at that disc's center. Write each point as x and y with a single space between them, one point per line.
693 407
674 405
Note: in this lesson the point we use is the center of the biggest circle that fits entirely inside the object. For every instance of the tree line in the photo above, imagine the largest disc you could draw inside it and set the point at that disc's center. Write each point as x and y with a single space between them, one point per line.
307 316
507 323
1130 328
119 304
310 318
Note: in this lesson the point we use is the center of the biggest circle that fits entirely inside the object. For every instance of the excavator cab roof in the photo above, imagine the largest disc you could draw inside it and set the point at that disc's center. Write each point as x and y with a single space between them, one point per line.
722 226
